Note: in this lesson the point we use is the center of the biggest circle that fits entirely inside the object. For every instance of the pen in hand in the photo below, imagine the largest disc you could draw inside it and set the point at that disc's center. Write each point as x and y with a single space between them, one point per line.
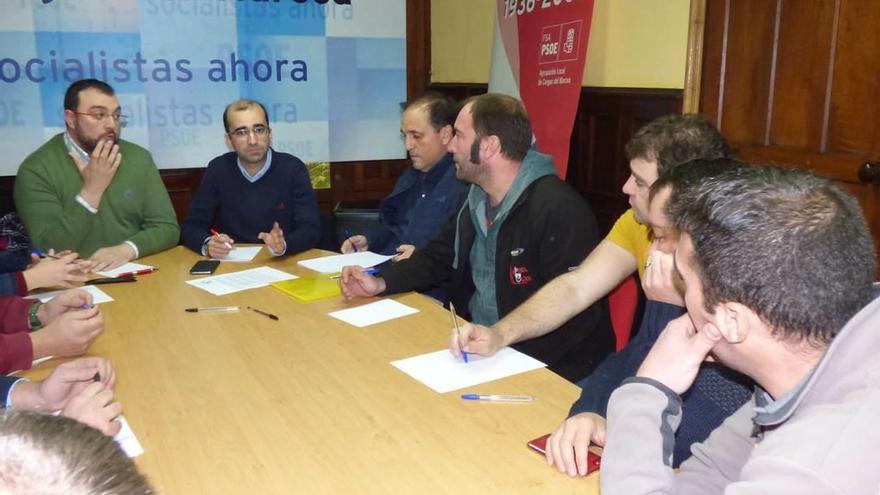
217 234
457 332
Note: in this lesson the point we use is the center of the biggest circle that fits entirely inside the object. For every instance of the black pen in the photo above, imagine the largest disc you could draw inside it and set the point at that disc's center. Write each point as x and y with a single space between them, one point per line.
268 315
109 280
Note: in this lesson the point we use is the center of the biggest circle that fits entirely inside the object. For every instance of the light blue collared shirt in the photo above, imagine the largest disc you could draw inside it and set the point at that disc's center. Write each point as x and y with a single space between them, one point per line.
260 173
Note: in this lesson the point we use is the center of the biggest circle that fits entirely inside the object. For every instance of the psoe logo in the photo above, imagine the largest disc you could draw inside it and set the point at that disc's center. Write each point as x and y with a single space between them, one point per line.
560 42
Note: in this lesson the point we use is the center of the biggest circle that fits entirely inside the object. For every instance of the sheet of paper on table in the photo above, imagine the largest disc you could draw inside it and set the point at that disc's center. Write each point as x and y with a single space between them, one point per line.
241 254
98 296
127 440
443 372
334 263
370 314
243 280
126 268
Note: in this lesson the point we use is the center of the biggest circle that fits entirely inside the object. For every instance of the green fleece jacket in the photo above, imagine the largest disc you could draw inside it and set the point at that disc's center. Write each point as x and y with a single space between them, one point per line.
135 207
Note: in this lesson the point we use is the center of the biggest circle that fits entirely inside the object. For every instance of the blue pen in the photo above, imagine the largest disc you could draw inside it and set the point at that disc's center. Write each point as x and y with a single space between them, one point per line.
457 334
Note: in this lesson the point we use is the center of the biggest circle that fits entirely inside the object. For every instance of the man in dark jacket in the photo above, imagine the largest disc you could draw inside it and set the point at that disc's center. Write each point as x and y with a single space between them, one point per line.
427 193
519 227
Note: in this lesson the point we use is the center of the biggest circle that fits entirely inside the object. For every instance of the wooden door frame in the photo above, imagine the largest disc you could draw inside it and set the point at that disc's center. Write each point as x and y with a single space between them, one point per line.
694 64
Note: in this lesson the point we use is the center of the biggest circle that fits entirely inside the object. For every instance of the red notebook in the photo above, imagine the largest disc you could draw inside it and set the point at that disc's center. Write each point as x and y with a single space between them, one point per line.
539 445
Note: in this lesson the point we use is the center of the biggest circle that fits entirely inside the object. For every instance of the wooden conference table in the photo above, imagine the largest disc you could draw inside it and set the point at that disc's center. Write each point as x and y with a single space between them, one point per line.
238 403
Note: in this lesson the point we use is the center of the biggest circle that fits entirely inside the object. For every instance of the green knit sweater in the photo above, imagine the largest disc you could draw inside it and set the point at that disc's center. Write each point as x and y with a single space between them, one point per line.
135 207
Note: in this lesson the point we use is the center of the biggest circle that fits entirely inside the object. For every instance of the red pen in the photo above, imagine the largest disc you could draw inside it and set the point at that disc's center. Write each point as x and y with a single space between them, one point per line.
217 234
138 272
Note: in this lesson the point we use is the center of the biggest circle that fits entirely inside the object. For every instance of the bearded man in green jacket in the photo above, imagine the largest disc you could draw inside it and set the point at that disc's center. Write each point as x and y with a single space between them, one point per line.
88 191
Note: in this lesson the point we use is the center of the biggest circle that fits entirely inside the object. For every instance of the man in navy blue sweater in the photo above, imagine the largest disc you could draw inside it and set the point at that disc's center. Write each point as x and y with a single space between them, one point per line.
252 194
427 193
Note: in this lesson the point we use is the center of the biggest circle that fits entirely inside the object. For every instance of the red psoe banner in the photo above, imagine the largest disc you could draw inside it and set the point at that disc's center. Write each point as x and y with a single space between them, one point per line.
538 56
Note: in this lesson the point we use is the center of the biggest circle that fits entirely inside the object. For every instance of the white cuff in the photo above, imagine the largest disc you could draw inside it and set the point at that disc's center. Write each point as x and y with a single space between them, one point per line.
137 254
205 246
11 388
283 249
85 204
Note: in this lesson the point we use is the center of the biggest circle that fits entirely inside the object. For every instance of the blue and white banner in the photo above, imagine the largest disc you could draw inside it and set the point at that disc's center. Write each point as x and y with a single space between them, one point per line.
331 73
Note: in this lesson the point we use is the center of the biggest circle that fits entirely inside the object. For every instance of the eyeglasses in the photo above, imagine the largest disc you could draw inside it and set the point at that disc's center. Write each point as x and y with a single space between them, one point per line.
243 133
101 115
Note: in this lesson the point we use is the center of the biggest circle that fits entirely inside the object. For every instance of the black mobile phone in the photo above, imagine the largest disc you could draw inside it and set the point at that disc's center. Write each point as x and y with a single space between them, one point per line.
204 267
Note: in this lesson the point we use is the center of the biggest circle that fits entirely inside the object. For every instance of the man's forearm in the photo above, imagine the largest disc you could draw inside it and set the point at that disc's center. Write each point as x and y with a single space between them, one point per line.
542 313
568 294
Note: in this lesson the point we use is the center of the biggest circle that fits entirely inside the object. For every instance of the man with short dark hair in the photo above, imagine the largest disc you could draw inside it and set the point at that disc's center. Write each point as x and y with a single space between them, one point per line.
252 194
519 227
87 190
778 267
427 193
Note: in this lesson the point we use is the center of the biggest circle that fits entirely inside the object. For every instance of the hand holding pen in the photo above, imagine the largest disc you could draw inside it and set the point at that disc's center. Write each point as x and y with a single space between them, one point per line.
354 243
475 339
356 282
457 331
219 245
55 270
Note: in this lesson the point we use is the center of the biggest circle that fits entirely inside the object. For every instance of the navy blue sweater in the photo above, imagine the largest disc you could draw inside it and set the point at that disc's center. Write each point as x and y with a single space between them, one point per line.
241 209
716 393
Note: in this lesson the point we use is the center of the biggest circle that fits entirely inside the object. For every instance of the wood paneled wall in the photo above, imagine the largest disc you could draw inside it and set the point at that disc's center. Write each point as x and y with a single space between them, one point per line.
606 119
795 83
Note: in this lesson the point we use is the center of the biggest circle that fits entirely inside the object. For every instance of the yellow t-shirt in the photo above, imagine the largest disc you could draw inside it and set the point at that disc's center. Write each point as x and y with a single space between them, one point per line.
632 236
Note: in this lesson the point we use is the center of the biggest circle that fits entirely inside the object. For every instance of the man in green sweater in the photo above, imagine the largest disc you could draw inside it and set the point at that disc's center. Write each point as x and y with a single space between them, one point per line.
88 191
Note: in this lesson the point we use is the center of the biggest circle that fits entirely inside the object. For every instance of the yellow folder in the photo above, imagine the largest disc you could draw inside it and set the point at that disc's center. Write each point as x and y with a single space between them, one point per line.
310 288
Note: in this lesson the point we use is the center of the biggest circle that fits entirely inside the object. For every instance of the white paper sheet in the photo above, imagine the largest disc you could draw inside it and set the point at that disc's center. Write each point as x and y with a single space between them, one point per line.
445 373
98 296
127 440
126 268
370 314
241 254
246 279
33 363
334 264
